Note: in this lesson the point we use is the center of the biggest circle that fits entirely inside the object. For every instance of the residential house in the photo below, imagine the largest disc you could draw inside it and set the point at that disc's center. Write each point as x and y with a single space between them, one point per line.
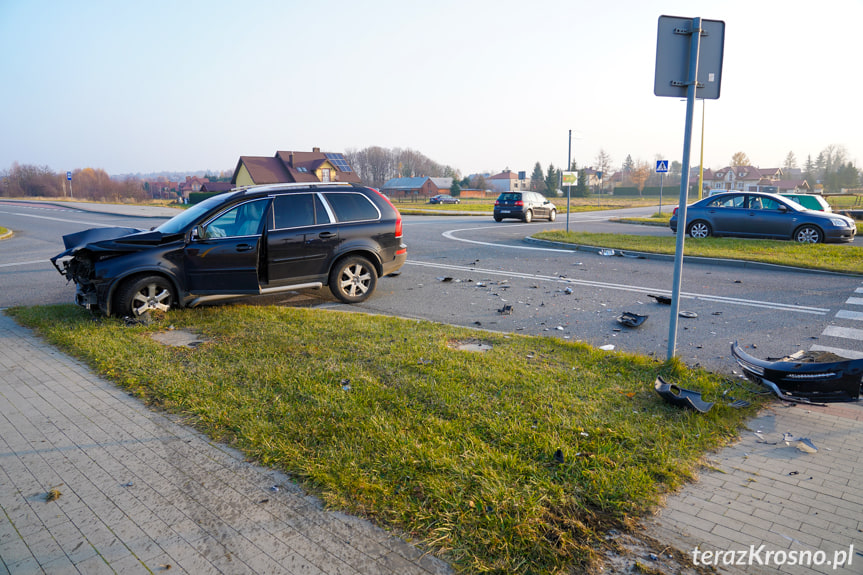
509 181
289 167
743 178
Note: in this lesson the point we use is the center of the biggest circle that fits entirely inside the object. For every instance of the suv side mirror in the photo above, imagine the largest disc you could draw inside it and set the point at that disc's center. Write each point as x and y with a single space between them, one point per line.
197 233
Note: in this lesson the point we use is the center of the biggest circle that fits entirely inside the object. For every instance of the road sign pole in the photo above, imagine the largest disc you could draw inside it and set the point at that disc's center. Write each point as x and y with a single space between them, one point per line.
692 84
568 188
660 191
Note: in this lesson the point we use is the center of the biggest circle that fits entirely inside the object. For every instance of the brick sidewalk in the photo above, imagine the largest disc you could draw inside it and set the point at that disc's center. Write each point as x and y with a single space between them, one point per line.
764 492
139 492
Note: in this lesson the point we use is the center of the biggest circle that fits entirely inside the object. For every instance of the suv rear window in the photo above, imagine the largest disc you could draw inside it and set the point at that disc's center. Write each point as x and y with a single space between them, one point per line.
509 197
298 210
352 207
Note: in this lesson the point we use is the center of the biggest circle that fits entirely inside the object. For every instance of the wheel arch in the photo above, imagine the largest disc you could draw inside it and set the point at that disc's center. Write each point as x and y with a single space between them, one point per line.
132 275
368 253
822 237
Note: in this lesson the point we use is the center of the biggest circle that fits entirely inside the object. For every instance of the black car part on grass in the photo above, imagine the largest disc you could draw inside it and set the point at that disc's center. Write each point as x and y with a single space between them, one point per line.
680 397
805 376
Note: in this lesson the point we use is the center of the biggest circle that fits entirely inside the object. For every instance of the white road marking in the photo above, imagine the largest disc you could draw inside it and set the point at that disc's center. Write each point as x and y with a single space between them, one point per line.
98 225
855 300
845 332
624 287
845 314
45 261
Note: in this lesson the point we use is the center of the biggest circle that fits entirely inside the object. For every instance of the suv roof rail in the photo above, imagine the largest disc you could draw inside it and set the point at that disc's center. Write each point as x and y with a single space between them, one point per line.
288 185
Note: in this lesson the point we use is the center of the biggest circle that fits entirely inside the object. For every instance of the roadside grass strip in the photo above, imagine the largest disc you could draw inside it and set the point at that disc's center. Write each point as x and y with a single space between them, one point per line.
518 459
842 258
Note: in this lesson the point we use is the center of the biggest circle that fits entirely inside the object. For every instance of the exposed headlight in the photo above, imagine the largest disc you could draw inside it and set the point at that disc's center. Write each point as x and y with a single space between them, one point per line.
840 222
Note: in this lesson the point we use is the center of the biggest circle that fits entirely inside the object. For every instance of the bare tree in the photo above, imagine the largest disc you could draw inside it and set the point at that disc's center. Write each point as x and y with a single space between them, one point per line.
603 163
639 174
739 159
790 161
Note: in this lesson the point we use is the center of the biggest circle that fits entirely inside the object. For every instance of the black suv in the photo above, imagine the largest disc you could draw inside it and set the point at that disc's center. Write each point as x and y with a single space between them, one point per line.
523 206
252 241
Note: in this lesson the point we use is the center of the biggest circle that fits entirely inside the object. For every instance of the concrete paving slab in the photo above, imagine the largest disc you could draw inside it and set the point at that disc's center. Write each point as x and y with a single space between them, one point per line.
139 491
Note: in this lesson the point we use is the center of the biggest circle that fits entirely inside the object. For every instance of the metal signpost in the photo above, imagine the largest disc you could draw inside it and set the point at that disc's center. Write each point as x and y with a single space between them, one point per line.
688 64
69 179
661 169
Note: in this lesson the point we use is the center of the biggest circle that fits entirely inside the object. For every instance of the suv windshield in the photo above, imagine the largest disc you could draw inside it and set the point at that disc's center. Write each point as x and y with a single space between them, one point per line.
181 222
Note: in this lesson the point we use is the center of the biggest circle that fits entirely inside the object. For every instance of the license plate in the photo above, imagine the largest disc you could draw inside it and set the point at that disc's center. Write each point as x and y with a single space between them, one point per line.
504 211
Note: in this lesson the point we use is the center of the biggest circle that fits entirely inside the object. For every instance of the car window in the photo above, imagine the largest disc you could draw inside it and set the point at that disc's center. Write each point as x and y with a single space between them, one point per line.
298 210
509 197
755 203
242 220
352 207
726 201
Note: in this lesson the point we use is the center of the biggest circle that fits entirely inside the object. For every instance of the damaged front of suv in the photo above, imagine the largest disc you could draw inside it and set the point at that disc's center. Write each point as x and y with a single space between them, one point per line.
129 271
99 261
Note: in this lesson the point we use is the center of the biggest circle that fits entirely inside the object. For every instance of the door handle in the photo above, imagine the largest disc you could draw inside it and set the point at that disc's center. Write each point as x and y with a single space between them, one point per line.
244 248
326 235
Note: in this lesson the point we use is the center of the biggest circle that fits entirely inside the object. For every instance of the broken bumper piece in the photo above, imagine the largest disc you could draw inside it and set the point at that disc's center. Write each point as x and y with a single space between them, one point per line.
802 377
681 397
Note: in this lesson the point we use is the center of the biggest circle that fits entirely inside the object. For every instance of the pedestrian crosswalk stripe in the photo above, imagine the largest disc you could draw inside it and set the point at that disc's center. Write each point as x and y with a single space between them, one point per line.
846 353
858 290
846 314
855 300
846 332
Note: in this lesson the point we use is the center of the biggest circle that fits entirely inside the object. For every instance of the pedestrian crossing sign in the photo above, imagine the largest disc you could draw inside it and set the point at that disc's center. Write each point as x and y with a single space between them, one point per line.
661 166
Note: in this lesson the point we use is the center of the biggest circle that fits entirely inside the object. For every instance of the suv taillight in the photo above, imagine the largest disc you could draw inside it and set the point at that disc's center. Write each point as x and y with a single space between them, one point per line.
398 213
519 203
674 212
497 202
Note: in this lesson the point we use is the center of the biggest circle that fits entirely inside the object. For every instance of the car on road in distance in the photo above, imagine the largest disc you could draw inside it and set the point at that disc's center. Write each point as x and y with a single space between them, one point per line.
525 206
763 215
250 241
810 201
443 199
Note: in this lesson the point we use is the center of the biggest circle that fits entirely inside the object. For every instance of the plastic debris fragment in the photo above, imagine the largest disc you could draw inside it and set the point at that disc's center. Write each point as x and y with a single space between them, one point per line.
681 397
630 319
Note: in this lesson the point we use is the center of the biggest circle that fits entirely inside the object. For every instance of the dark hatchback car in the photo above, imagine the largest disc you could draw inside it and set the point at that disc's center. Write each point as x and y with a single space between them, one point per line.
443 199
525 206
763 215
253 241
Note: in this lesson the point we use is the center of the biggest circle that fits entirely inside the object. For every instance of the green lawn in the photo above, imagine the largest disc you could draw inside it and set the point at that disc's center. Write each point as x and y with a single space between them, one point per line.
842 258
388 419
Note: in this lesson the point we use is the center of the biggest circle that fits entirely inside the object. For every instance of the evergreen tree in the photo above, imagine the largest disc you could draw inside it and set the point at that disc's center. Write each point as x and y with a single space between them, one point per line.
455 189
537 180
552 180
582 190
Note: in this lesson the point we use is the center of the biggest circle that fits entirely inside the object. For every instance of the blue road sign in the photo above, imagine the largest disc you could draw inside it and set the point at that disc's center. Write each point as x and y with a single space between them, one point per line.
69 176
661 166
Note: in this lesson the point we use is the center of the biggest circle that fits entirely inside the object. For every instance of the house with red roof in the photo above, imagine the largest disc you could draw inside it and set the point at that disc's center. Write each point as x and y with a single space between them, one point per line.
290 167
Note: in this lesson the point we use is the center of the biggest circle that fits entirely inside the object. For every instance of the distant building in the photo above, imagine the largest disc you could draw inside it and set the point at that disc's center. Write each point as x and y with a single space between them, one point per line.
418 187
289 167
743 178
508 181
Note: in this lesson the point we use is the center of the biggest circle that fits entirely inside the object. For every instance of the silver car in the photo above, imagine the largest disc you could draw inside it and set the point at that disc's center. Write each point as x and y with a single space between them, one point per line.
763 215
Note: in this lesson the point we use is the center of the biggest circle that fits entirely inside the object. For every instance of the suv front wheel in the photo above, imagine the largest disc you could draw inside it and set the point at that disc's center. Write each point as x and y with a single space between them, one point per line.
353 279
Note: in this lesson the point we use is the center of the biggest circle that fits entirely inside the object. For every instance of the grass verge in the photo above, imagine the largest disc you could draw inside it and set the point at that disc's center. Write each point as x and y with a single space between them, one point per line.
841 258
386 418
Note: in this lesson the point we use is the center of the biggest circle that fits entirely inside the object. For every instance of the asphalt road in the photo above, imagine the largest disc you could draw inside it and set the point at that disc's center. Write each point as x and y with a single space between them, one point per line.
465 270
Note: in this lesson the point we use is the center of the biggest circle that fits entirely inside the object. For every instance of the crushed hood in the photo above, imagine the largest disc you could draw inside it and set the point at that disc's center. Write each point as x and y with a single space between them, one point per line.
109 239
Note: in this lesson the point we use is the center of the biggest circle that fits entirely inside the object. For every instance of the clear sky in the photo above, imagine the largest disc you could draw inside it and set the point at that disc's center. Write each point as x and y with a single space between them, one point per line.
480 85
